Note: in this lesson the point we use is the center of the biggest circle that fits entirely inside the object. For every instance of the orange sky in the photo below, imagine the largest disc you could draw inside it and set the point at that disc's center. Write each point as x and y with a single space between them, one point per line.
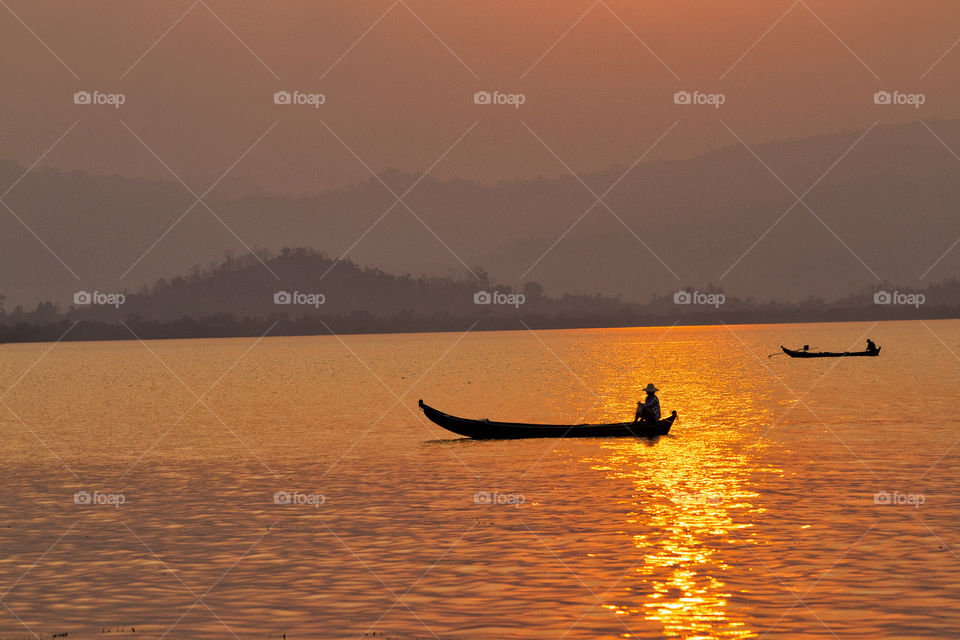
400 96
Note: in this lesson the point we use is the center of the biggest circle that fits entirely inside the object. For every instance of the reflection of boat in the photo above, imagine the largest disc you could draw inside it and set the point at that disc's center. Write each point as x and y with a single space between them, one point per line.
827 354
484 429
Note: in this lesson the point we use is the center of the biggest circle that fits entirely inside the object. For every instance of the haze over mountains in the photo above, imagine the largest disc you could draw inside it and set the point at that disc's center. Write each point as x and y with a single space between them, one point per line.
399 79
886 211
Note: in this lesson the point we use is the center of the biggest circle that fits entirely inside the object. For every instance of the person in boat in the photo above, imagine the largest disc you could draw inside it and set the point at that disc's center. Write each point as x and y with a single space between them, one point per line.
648 410
806 347
871 347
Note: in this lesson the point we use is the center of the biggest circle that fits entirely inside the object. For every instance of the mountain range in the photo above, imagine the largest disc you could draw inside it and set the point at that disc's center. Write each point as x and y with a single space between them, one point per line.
783 221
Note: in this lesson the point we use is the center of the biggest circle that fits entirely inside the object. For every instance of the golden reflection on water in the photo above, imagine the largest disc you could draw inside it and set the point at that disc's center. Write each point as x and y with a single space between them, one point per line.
687 492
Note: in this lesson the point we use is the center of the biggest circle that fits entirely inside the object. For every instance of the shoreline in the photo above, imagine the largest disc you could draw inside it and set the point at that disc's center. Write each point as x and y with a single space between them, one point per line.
133 330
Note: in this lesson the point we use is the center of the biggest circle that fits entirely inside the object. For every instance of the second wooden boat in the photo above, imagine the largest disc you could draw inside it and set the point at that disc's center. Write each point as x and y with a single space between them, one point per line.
799 353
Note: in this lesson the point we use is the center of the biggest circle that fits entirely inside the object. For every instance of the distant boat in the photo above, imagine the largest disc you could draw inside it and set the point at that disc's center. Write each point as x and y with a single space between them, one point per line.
484 429
827 354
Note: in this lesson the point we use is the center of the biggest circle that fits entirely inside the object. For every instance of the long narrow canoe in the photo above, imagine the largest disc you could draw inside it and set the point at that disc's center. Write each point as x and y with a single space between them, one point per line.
484 429
827 354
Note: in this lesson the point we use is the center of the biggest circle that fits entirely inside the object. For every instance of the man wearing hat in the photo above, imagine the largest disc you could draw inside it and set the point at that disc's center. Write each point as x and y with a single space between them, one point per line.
648 410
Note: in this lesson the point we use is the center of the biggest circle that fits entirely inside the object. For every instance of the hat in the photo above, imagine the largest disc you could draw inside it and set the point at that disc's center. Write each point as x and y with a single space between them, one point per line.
651 389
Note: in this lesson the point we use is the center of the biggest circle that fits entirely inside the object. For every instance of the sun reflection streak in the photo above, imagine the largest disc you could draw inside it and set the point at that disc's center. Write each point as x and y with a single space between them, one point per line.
686 497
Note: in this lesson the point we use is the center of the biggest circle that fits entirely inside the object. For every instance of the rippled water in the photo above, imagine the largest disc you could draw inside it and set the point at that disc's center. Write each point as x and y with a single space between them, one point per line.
757 516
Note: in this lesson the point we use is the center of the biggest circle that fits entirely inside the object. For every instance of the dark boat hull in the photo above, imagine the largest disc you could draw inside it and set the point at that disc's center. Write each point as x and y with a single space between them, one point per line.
484 429
829 354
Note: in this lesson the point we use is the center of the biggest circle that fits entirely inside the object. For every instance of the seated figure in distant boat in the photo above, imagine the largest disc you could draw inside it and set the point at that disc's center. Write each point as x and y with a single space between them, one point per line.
871 347
648 410
806 347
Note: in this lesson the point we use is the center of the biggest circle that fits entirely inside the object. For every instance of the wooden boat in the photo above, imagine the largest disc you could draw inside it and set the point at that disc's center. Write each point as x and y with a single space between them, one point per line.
485 429
827 354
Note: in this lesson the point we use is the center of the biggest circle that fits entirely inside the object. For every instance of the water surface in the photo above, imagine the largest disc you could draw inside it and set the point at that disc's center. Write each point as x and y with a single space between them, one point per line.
757 517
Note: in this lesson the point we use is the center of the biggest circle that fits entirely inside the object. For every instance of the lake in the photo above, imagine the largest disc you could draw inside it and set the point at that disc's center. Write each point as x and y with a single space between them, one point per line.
290 487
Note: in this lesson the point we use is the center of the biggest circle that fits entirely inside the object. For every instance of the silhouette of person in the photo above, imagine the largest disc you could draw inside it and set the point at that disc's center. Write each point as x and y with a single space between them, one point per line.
648 410
872 348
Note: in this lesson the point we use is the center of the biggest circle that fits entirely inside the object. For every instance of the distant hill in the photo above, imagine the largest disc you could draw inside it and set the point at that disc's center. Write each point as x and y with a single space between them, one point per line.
316 294
891 201
310 283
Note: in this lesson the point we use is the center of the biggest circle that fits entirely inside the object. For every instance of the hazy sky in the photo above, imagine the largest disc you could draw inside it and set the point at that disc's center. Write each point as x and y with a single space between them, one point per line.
598 82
